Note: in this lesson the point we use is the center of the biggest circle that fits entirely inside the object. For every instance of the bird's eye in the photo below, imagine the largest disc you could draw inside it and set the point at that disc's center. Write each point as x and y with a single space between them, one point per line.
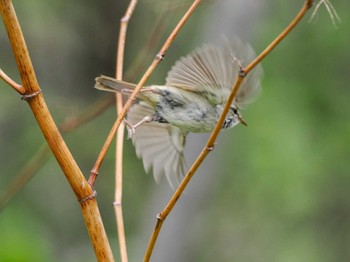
234 110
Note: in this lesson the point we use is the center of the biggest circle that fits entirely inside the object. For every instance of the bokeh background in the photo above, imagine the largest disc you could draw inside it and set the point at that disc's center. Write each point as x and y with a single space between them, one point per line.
277 190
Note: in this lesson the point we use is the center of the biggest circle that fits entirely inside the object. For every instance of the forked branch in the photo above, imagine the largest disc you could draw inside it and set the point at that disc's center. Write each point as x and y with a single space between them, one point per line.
35 99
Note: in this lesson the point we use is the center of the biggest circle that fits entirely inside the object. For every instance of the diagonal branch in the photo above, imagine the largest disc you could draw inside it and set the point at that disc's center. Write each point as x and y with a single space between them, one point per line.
210 144
159 57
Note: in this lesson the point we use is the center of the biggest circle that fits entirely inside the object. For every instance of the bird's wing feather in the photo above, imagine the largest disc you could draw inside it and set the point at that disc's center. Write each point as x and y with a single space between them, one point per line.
212 71
161 146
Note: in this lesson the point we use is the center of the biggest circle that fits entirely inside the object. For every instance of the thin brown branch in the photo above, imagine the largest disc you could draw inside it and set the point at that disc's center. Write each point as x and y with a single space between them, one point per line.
120 134
11 82
159 57
53 137
210 144
281 36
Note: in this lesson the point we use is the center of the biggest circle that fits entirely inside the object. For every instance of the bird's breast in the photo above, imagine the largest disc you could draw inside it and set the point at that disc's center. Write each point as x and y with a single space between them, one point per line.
190 113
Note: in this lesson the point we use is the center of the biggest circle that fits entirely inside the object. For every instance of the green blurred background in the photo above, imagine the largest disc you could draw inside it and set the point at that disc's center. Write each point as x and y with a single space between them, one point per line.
277 190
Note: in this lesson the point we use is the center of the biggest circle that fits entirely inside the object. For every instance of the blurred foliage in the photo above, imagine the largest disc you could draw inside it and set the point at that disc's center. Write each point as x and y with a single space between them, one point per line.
277 190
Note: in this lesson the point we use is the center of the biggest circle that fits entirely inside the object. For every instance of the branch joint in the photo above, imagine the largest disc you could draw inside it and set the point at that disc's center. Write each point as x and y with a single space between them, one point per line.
160 217
125 19
160 56
210 148
92 196
242 72
309 3
27 97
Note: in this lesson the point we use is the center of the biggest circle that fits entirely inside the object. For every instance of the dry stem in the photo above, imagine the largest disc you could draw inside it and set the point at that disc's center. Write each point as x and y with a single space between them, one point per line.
210 144
137 89
120 135
53 137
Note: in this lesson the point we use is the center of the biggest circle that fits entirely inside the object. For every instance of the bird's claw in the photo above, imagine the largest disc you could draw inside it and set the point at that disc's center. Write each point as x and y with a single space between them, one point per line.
130 128
131 131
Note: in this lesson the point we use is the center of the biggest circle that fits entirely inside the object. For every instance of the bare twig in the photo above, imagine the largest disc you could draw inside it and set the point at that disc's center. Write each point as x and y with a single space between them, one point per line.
210 144
159 57
11 82
53 137
120 135
330 9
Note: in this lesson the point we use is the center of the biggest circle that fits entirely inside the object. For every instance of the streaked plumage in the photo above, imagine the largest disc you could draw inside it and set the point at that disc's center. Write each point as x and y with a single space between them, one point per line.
192 100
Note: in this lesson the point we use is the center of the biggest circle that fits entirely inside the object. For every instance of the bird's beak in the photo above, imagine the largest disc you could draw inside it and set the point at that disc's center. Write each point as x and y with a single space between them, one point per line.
242 121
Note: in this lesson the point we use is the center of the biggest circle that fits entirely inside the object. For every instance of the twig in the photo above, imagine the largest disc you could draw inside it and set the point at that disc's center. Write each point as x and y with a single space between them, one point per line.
120 135
11 82
330 9
210 144
53 137
159 57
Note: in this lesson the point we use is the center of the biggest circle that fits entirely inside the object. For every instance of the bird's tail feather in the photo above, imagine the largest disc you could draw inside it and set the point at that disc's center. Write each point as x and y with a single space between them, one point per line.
110 84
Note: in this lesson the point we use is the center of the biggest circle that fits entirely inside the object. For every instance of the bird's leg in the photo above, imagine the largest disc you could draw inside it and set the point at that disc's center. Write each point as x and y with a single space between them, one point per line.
131 128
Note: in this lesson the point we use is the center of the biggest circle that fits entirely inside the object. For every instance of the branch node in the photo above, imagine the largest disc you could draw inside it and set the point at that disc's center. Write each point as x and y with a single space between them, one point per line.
133 99
27 97
242 72
309 3
117 203
210 148
92 178
160 56
92 196
159 217
125 19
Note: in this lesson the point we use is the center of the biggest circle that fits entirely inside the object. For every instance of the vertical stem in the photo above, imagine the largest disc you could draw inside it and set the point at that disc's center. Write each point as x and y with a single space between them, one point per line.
120 135
54 139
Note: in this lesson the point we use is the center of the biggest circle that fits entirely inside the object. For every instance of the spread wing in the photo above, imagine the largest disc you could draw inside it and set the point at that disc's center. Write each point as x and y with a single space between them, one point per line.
160 146
212 71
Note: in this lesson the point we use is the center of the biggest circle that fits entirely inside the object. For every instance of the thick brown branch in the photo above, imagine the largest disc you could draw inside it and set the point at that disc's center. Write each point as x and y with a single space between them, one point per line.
52 135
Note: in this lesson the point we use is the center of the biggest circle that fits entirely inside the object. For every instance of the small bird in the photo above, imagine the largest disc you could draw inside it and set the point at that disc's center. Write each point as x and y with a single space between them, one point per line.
192 100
